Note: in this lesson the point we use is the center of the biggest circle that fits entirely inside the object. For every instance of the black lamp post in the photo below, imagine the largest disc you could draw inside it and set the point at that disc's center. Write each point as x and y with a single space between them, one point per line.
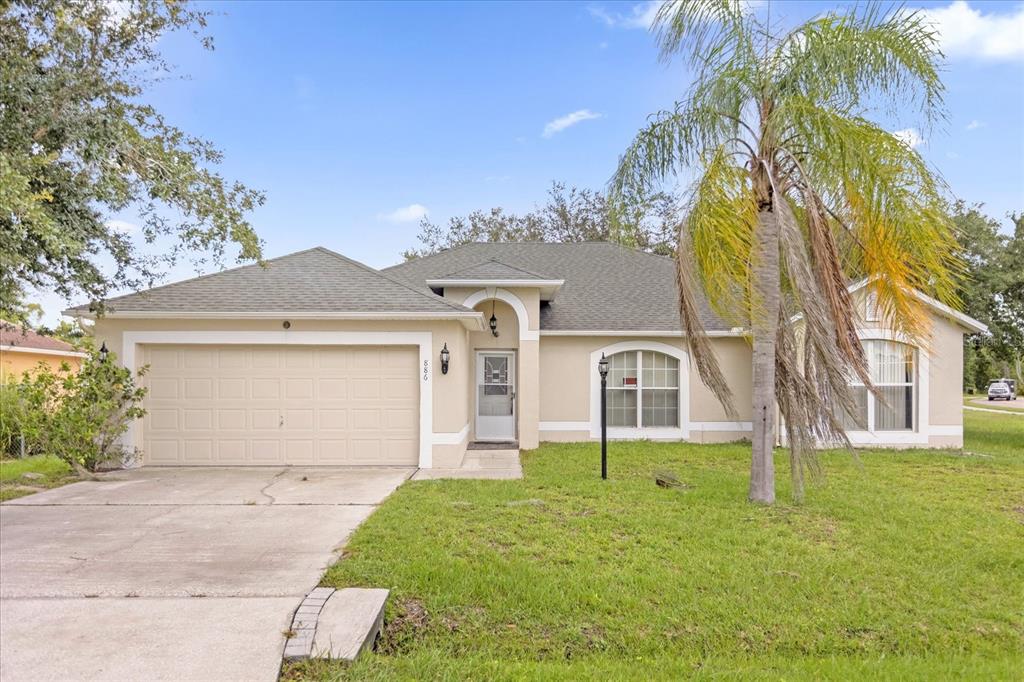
103 352
602 369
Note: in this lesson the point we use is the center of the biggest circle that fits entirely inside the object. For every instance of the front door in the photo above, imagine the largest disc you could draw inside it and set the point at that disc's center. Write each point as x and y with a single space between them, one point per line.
495 395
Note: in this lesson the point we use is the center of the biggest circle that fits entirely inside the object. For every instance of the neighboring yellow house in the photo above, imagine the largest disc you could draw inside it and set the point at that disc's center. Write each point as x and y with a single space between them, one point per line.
22 349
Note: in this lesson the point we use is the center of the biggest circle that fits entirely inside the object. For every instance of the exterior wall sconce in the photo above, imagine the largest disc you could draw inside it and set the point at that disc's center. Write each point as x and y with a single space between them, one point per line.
104 352
445 357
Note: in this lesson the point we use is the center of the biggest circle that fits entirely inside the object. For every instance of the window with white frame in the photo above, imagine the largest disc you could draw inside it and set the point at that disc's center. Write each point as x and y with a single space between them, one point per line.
893 371
643 390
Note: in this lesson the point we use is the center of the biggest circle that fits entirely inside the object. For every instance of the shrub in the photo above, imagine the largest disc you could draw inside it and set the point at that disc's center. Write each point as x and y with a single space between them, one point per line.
78 416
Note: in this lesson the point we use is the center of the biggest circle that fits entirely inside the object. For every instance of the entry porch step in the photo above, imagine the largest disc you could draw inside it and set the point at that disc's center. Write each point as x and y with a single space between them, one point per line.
490 445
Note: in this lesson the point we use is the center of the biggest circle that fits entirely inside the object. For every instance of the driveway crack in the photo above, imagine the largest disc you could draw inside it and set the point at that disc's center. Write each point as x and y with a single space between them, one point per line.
272 481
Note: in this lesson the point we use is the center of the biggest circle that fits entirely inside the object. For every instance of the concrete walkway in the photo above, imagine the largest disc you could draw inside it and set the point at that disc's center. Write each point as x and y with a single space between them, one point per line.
171 574
485 464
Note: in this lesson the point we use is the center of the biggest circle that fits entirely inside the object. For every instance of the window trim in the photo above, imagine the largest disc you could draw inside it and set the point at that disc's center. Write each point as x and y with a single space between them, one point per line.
639 388
680 432
872 401
920 435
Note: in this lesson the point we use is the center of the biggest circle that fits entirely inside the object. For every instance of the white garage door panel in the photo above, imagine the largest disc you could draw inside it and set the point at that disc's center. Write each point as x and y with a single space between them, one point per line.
272 405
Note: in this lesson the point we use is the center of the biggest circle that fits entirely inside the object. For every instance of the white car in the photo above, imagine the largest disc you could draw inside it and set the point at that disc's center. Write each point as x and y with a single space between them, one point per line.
1000 390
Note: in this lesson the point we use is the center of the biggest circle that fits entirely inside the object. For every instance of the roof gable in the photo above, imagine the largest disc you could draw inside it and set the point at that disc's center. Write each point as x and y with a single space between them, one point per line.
965 321
607 287
315 281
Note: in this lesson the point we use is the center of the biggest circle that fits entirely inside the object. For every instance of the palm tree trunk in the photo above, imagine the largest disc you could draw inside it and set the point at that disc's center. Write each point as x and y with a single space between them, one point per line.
765 326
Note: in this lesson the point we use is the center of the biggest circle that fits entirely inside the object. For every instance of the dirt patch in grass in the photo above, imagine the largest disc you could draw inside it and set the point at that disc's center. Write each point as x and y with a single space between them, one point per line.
410 622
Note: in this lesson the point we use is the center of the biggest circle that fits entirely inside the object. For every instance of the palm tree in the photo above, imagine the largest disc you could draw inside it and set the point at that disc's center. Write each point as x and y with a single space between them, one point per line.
797 193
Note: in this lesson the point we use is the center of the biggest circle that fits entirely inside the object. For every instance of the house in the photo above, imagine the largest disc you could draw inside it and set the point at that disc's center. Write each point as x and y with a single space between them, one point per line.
22 349
317 359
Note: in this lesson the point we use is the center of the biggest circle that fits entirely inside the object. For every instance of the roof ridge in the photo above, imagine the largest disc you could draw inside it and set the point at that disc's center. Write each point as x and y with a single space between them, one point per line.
394 280
199 277
499 262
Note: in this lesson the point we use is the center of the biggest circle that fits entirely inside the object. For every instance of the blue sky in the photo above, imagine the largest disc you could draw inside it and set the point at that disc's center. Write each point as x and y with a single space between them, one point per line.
355 119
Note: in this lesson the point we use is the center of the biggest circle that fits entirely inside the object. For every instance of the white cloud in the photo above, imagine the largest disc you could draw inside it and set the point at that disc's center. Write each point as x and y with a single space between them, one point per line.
563 122
122 226
909 137
967 32
974 125
406 214
640 15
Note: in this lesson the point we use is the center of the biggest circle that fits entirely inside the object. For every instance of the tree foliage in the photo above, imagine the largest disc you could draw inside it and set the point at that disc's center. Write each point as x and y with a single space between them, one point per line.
993 292
798 193
648 222
78 144
76 414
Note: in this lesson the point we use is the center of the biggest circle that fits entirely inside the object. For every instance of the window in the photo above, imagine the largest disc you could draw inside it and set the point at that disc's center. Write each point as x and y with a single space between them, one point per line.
643 390
892 367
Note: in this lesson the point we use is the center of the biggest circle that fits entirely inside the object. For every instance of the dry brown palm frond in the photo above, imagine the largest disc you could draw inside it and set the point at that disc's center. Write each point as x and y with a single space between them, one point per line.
697 342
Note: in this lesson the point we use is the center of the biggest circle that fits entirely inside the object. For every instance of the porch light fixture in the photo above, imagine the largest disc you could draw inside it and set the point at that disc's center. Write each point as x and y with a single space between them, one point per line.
493 321
104 352
602 369
445 357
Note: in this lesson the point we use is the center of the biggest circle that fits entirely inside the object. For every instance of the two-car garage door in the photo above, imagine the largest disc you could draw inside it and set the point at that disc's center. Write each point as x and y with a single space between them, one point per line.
273 405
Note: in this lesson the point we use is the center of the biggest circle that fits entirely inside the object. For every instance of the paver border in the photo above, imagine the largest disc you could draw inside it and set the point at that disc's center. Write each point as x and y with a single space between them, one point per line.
300 645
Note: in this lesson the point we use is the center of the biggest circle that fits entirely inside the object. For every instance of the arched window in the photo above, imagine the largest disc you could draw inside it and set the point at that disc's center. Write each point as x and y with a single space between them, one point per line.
893 370
643 390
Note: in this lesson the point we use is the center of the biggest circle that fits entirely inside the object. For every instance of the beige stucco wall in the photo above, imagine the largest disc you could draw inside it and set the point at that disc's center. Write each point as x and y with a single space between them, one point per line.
735 360
565 376
529 296
509 337
946 373
554 372
450 400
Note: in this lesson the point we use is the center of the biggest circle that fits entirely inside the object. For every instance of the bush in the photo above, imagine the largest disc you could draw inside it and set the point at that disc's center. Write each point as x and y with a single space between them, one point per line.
78 416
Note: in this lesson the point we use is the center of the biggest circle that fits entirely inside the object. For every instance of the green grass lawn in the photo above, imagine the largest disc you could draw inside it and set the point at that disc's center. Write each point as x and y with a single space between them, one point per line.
14 484
900 565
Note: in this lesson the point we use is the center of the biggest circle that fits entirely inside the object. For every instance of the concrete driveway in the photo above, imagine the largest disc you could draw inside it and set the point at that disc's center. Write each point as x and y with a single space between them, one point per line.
171 573
1017 404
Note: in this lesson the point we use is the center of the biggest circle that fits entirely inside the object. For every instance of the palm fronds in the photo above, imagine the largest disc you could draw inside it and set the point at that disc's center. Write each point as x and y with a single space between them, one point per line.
776 127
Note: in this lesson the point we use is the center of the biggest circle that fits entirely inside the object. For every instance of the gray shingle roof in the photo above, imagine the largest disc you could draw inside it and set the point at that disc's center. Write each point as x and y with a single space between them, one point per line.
494 269
607 287
316 280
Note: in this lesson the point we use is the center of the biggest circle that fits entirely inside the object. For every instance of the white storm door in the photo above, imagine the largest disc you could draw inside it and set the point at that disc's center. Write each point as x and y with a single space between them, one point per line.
495 395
